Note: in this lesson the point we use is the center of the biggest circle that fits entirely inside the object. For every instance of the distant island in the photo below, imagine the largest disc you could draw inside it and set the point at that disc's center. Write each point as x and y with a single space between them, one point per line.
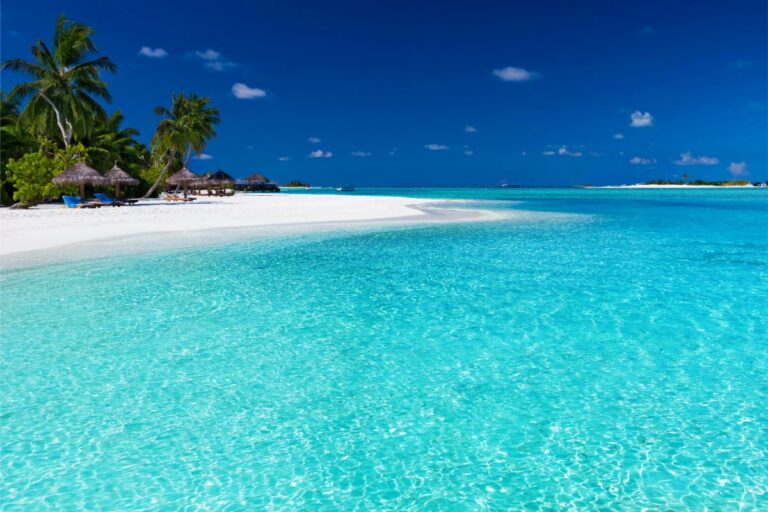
297 184
705 183
661 183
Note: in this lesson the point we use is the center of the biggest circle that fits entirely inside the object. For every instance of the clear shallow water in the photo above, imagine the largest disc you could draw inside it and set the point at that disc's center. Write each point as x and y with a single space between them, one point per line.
610 354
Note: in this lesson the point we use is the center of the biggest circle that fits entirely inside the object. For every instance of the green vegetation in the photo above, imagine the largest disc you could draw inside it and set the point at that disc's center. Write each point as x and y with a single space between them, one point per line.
31 174
186 126
727 183
57 118
296 183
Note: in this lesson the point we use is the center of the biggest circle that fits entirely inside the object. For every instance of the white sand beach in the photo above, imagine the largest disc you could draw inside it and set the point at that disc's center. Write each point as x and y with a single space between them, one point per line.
55 226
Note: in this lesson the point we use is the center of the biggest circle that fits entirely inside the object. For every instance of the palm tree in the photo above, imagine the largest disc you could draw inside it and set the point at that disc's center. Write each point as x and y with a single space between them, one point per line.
184 129
65 82
14 142
109 143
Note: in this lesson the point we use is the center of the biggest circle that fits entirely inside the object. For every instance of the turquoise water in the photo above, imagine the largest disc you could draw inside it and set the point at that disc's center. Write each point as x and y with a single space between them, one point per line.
606 352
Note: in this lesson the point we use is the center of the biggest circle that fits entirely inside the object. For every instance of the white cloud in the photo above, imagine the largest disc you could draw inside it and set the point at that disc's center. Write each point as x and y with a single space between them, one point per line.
153 53
393 152
244 92
213 60
248 147
738 169
511 74
689 159
638 160
524 153
618 136
314 140
208 54
437 147
470 129
469 152
220 65
641 119
361 153
320 154
561 151
283 158
203 156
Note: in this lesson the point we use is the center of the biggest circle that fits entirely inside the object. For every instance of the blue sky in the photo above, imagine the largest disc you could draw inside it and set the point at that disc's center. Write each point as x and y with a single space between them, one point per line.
442 92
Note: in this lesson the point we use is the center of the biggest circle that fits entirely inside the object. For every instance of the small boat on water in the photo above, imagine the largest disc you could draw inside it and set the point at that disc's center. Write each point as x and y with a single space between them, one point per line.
345 188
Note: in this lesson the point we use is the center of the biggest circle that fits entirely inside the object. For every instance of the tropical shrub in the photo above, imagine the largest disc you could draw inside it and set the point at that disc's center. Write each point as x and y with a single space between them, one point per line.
32 173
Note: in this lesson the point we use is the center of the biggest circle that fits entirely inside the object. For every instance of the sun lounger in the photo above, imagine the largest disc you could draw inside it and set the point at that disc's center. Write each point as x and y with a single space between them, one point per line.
71 201
174 197
74 202
106 200
110 201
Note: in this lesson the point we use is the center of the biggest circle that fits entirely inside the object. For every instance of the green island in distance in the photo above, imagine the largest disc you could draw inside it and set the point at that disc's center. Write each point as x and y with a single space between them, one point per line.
726 183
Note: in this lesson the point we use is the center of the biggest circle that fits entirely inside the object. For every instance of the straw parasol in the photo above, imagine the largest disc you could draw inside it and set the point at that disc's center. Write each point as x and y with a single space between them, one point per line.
183 177
118 177
80 174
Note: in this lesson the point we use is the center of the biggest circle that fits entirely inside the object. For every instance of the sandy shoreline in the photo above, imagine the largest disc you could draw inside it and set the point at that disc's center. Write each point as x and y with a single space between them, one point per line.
47 232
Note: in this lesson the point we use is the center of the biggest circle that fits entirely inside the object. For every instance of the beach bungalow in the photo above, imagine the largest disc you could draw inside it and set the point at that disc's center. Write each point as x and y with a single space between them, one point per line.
257 183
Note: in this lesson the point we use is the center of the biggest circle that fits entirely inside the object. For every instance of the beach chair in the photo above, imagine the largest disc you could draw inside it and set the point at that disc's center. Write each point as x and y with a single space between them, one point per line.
106 200
71 201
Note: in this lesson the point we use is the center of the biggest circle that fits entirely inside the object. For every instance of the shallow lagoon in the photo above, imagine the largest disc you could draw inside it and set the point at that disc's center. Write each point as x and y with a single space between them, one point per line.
606 351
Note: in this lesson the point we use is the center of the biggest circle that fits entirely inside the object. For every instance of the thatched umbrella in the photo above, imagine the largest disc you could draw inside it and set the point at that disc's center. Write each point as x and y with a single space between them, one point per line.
80 174
183 177
118 177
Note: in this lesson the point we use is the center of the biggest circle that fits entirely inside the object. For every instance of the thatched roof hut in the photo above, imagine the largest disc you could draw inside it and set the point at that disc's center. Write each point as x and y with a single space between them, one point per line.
257 178
221 178
80 174
117 177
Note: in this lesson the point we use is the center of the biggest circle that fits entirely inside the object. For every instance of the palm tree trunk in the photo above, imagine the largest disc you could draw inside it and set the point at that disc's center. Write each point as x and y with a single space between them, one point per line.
66 136
159 179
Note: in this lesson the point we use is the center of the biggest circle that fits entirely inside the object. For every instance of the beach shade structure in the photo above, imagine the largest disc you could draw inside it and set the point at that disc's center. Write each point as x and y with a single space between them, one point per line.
221 178
259 183
116 176
183 177
256 179
82 175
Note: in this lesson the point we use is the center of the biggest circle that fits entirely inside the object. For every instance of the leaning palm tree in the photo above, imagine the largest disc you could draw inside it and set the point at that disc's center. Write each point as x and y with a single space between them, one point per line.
66 82
185 129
